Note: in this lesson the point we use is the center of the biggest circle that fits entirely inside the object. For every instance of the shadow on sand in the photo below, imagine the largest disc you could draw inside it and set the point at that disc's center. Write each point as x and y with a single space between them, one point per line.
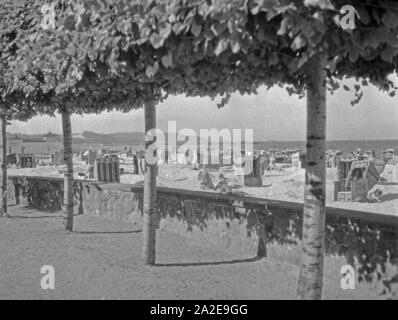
106 232
31 213
389 197
32 217
215 263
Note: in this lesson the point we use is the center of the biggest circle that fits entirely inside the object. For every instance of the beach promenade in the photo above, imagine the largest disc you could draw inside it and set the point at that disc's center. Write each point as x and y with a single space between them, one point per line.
102 260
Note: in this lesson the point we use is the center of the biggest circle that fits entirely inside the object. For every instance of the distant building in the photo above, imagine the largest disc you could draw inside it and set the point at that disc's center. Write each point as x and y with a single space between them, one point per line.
33 140
50 137
46 144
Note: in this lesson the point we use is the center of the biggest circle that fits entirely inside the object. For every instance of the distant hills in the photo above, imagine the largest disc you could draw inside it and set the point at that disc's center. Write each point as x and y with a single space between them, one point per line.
117 138
11 136
91 137
110 138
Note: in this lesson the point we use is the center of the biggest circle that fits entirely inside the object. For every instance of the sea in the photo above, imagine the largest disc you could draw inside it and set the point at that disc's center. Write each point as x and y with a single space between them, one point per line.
346 146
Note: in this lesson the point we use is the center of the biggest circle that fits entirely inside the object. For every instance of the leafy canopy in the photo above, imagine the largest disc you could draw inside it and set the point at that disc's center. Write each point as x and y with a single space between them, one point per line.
118 53
44 69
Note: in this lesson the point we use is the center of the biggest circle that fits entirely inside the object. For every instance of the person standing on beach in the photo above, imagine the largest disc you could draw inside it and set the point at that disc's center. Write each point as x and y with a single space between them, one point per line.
135 164
372 156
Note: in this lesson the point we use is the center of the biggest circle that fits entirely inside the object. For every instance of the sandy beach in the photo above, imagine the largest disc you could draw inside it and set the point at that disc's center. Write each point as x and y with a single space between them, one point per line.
101 259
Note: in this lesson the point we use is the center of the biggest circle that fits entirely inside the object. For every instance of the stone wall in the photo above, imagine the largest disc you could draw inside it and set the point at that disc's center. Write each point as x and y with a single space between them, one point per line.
42 193
209 222
225 224
111 204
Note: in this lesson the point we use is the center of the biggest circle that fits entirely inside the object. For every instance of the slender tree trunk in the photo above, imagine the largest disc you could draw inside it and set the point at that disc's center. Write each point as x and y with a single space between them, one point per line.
311 271
4 165
68 176
150 221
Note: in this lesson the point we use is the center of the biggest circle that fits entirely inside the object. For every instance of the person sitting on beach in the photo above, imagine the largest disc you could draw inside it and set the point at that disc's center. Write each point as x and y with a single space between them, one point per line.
375 196
372 157
205 179
223 185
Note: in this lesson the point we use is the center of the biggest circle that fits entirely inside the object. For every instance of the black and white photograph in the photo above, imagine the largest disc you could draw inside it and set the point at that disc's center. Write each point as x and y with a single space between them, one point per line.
216 151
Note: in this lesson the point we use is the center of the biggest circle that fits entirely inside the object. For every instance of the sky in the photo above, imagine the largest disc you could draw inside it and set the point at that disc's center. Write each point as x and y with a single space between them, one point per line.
272 114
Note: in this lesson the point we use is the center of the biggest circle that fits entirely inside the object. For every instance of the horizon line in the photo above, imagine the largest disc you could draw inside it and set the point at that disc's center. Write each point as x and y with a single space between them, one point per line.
256 140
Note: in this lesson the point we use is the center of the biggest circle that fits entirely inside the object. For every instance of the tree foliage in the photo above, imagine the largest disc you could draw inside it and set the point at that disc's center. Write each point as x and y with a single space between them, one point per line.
45 68
12 104
126 49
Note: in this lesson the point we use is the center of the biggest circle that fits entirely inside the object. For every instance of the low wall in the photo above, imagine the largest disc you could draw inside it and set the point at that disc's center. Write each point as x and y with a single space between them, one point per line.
209 221
42 193
244 225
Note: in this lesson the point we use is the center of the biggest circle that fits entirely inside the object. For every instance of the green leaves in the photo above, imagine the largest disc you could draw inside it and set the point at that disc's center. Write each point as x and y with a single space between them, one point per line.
125 26
196 27
235 46
167 60
271 7
322 4
221 46
152 70
389 18
284 28
389 53
114 53
298 43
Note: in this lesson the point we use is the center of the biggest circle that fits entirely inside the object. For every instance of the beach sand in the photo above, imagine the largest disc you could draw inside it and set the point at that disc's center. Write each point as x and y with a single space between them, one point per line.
101 259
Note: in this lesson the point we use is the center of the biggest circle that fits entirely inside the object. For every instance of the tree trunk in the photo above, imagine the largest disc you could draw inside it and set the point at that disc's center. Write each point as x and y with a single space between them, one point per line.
4 166
311 270
68 176
150 221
